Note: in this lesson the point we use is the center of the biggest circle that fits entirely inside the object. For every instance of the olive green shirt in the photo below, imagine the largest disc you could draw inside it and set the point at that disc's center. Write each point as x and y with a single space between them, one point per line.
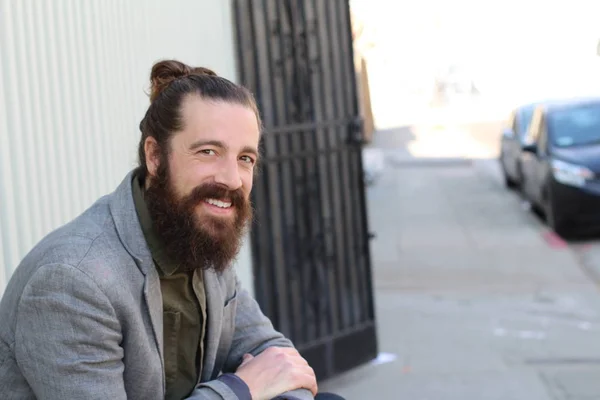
184 311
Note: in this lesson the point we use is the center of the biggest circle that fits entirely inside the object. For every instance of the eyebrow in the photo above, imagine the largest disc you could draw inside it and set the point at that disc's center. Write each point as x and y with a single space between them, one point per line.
223 146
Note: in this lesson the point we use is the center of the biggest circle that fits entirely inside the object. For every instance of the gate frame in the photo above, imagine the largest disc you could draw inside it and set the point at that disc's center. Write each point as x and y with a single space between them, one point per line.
337 352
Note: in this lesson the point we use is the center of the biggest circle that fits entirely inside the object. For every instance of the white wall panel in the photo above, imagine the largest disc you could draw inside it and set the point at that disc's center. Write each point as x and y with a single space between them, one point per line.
73 84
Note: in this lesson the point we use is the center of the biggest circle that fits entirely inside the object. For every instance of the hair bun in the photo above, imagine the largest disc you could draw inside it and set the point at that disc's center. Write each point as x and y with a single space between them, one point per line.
203 71
165 72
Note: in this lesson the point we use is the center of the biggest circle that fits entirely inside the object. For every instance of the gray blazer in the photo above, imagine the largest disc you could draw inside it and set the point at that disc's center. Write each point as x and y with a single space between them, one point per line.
81 317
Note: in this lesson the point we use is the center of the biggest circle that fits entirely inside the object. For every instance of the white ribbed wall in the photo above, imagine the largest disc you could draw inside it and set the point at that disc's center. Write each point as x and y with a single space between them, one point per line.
73 77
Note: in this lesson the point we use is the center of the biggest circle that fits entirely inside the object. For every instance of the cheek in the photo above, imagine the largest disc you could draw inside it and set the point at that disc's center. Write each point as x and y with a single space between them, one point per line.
192 175
247 182
182 182
177 185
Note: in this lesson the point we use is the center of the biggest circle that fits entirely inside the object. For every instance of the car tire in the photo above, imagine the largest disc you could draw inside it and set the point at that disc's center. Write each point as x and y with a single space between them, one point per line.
508 181
519 180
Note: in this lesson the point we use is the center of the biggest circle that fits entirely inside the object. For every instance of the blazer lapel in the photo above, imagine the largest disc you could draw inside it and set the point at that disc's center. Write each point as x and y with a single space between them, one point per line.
214 316
153 296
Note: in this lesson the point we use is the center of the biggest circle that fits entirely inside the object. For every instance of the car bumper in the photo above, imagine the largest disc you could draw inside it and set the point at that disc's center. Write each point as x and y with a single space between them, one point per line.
578 207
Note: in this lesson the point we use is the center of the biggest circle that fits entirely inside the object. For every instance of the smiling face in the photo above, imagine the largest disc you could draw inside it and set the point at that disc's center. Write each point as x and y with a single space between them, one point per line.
198 190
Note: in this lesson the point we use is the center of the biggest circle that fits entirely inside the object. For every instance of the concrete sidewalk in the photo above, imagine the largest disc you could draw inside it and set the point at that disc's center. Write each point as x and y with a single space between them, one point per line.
473 298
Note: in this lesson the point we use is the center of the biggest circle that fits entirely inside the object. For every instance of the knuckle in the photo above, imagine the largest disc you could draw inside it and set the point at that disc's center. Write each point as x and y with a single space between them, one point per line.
303 360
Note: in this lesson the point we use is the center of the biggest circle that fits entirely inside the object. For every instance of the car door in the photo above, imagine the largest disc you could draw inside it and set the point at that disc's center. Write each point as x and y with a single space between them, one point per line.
509 141
529 158
541 161
515 145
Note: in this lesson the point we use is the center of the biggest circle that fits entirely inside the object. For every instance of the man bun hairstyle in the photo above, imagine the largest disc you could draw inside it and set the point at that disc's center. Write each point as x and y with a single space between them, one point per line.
171 81
165 72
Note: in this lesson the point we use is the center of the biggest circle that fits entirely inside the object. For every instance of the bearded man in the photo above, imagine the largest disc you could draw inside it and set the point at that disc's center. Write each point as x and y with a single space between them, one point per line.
136 297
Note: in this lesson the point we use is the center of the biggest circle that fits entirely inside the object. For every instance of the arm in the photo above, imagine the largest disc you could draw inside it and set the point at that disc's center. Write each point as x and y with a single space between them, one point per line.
254 333
67 337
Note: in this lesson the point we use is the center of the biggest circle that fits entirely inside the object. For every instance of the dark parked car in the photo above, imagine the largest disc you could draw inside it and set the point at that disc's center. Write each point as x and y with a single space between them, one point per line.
561 164
513 139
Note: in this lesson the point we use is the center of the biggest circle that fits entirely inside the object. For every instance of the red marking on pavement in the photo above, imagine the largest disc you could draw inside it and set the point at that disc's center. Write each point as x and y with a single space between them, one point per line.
554 241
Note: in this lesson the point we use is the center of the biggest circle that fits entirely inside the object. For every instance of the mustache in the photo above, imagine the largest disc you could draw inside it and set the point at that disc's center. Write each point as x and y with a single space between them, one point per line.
217 192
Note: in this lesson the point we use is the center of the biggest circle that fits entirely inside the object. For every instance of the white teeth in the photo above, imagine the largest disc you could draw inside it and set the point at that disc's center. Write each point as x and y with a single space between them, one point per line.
219 203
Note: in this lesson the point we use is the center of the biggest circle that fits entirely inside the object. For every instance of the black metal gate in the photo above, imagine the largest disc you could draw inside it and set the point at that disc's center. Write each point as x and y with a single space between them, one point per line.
310 241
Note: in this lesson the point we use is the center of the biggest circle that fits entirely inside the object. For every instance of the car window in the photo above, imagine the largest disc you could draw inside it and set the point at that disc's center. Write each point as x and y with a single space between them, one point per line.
512 121
542 139
532 134
575 126
524 120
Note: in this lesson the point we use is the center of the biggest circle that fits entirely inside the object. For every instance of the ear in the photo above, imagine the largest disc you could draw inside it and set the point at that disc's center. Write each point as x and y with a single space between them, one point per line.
152 152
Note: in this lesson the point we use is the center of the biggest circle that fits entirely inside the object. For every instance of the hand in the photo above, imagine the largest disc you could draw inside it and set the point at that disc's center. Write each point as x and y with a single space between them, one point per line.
275 371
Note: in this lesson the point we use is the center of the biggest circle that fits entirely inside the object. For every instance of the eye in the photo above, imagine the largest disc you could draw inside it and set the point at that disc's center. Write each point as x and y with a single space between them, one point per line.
208 152
247 159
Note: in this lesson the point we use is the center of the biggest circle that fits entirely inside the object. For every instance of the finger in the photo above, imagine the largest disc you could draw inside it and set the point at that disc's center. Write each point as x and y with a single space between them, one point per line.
287 350
305 374
309 381
288 353
294 355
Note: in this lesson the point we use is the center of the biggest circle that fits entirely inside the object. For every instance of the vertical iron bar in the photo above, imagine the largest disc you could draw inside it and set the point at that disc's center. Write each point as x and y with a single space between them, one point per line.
326 108
314 271
259 233
305 209
288 198
340 140
272 214
343 65
329 321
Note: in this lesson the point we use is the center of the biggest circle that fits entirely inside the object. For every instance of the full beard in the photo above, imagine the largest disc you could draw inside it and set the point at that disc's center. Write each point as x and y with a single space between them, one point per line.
208 243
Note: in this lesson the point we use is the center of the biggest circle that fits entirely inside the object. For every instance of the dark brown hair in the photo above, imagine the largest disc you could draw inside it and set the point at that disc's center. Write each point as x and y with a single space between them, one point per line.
172 81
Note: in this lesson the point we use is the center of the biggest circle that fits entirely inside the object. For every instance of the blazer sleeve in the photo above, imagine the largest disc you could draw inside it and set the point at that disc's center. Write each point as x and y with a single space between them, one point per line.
67 337
254 333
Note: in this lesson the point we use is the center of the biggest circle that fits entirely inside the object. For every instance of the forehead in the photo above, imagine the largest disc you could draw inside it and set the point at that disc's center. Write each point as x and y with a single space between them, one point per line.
221 120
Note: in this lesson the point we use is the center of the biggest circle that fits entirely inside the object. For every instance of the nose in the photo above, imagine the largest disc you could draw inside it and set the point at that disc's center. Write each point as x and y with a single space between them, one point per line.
228 175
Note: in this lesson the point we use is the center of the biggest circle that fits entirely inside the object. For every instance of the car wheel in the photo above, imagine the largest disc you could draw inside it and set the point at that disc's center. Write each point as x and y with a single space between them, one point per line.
508 181
519 180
